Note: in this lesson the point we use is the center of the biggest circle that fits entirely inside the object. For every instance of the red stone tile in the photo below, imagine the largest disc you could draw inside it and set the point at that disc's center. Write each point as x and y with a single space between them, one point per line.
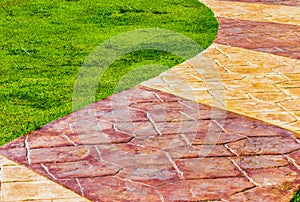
260 36
258 162
197 151
261 194
284 178
273 2
153 175
46 139
264 145
253 128
213 138
205 189
94 131
117 189
62 154
129 155
144 128
121 115
160 142
199 168
80 169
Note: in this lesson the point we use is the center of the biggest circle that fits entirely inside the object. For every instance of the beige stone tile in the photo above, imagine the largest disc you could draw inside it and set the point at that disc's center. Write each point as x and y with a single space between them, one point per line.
255 12
252 106
19 183
293 91
5 161
277 118
293 76
269 96
36 190
16 173
291 105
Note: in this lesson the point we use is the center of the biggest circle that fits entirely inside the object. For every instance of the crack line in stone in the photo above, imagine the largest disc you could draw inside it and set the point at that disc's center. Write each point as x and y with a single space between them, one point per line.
231 150
244 173
188 116
68 139
157 96
186 140
160 195
48 172
70 127
179 172
153 123
98 153
27 150
80 187
292 161
186 105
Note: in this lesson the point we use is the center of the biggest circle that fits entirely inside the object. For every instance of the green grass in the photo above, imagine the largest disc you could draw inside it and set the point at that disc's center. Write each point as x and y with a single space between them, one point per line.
296 197
44 43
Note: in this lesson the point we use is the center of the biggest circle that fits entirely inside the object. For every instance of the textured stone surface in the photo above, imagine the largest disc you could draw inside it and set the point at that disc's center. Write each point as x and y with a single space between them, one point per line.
146 145
260 36
155 159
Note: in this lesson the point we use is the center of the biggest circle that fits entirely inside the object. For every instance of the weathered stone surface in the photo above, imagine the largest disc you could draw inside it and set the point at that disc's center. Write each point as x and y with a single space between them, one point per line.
206 189
282 178
264 161
264 145
79 169
108 188
261 195
154 175
207 168
130 155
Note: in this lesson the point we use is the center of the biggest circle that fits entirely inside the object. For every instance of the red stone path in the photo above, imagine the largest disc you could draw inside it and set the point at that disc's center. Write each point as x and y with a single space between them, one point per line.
147 145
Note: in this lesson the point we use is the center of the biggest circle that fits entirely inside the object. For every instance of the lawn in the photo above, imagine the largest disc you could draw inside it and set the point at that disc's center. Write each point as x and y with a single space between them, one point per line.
45 42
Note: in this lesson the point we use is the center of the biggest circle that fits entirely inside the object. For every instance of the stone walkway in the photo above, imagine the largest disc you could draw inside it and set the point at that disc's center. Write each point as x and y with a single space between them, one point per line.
161 141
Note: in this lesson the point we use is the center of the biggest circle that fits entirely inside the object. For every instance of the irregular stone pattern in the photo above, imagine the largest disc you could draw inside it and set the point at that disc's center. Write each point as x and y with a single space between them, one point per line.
259 85
265 37
143 144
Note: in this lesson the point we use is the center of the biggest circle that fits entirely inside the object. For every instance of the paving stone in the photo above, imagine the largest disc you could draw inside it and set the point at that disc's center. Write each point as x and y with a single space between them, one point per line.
261 195
198 168
197 151
282 178
153 175
264 145
79 169
34 190
258 162
130 155
205 189
62 154
104 188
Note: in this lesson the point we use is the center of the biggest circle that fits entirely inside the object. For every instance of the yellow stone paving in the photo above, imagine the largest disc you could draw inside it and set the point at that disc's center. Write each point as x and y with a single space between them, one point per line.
19 183
259 85
255 12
